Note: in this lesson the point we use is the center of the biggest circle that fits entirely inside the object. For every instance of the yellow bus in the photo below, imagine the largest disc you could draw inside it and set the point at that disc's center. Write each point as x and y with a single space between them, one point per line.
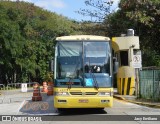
83 72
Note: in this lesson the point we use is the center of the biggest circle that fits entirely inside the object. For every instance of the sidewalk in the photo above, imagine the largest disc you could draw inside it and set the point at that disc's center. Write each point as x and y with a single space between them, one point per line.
133 99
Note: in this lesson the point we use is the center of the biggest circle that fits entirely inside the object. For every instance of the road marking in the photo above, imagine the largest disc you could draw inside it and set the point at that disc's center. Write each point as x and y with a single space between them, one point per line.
35 106
26 106
45 114
22 104
44 106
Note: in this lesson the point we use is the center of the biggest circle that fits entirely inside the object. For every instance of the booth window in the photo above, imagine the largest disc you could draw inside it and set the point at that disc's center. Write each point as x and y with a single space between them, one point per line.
124 58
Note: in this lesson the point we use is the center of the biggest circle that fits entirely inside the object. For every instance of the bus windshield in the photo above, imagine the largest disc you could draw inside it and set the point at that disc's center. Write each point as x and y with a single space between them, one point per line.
83 64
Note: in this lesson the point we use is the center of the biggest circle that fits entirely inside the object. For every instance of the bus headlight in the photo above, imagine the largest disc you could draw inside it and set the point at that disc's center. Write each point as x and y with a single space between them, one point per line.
105 94
61 93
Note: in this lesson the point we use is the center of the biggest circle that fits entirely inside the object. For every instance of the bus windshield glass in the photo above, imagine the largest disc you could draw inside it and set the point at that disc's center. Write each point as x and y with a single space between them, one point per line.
83 64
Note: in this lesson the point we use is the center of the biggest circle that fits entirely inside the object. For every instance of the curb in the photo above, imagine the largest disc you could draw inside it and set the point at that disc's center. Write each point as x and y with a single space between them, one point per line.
139 103
118 97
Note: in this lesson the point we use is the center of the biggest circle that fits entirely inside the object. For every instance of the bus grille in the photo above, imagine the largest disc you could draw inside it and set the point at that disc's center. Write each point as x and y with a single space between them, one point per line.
83 93
76 93
91 93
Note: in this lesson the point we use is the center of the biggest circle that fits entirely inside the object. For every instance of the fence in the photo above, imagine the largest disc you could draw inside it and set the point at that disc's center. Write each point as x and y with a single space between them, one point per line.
12 92
149 87
18 85
14 86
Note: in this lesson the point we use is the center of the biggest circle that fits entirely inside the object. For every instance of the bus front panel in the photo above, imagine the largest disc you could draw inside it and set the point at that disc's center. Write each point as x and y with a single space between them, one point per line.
83 70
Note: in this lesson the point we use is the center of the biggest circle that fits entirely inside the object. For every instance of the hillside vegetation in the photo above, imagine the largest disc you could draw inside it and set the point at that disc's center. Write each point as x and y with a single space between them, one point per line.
27 35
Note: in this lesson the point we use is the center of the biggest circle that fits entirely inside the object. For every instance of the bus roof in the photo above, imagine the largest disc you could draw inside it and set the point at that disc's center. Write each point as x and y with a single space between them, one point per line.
82 37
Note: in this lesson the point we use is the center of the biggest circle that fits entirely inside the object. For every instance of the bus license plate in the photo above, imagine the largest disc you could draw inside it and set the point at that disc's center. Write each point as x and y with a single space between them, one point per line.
83 100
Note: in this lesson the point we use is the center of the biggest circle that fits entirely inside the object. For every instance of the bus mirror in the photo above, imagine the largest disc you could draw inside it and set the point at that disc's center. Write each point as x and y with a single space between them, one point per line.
115 67
51 65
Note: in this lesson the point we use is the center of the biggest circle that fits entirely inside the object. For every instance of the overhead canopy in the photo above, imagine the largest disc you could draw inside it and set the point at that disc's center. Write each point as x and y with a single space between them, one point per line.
125 43
115 46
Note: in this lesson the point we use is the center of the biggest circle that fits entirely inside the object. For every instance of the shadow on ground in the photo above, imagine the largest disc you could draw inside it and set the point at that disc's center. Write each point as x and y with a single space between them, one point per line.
45 107
81 111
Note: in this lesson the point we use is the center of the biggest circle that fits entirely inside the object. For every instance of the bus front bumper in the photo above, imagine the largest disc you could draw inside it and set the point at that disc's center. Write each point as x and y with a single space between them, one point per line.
82 102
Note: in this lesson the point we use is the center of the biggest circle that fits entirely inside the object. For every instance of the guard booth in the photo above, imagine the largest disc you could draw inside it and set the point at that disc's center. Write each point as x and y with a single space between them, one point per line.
128 56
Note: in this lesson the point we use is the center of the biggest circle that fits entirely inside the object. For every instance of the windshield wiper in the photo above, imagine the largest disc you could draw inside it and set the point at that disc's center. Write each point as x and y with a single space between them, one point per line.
70 83
72 76
94 80
93 77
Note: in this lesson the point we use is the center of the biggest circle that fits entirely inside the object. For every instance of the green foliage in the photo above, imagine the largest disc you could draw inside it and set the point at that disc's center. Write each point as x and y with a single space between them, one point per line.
151 58
144 17
49 77
100 9
117 23
27 35
91 28
141 15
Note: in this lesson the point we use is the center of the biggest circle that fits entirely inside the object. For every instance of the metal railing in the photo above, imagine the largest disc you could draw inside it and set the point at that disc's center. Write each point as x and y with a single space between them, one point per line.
12 92
18 85
14 86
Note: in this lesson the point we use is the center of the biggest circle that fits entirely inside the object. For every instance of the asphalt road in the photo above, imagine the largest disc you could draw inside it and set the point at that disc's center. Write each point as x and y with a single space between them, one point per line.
20 104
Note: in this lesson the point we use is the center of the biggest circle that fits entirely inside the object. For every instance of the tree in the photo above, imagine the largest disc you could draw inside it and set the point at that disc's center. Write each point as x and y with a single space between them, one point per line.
141 15
145 17
102 8
27 35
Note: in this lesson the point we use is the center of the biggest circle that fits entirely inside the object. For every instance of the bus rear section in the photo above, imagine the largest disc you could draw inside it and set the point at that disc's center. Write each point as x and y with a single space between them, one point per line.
83 72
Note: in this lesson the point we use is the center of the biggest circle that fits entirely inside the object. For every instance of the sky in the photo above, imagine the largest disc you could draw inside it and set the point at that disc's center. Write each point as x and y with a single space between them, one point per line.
66 8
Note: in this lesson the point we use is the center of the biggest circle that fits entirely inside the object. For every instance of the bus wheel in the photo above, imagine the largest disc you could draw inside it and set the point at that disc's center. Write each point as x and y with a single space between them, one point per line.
61 109
100 108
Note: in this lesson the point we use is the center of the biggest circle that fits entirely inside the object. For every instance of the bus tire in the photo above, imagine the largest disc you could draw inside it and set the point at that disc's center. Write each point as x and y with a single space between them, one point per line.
100 108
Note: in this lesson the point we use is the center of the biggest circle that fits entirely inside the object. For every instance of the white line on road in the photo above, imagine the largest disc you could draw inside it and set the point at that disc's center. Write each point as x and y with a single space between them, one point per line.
45 114
21 106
